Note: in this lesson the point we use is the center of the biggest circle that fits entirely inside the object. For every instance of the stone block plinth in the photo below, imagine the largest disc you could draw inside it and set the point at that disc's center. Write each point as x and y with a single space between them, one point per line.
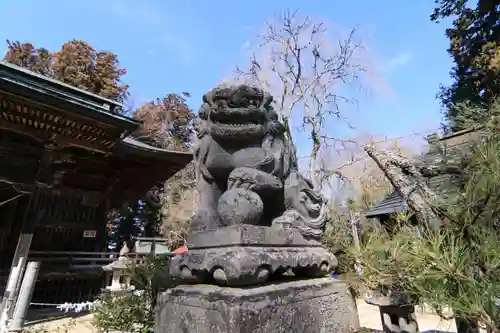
321 305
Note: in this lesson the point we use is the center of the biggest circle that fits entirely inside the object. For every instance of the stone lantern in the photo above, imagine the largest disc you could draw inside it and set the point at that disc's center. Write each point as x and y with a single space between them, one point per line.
117 273
397 310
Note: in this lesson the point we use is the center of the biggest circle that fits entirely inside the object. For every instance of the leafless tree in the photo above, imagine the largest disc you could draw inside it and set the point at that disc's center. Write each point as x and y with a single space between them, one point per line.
307 70
354 182
350 174
179 203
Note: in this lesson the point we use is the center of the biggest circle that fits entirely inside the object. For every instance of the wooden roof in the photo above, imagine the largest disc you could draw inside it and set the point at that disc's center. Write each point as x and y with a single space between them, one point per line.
94 146
42 108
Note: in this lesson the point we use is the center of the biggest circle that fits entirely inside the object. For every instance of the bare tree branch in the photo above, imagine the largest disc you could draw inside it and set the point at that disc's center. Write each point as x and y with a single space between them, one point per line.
352 176
296 62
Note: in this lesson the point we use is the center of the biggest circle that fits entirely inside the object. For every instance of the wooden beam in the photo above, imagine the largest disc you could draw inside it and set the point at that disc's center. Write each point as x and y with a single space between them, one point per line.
111 130
22 149
43 135
20 187
16 186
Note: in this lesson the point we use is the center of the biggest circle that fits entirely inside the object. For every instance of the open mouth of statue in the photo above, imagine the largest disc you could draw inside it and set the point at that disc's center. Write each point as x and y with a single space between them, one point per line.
236 130
238 117
231 125
237 122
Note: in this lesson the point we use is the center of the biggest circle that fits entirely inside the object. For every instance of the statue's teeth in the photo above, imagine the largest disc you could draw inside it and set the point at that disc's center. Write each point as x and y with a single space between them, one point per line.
235 125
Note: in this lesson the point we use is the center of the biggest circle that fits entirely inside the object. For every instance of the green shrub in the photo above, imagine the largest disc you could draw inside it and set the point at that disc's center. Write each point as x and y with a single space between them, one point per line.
133 311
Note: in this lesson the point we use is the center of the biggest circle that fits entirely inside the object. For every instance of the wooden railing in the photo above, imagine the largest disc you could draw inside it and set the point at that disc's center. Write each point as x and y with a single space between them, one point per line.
72 276
68 276
72 260
80 260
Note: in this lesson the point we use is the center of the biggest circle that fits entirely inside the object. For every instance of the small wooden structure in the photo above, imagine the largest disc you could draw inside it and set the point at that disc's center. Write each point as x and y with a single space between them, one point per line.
66 157
452 145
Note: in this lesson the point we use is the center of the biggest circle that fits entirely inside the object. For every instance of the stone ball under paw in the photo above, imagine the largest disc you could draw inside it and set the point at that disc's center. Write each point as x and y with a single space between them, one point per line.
253 157
240 206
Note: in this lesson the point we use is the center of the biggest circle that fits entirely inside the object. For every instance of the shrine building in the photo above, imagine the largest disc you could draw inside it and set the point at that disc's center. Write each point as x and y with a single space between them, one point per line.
66 157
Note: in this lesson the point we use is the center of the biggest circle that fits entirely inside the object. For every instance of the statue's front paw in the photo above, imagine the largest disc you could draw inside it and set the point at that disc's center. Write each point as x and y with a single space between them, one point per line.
254 180
288 219
240 206
205 219
255 158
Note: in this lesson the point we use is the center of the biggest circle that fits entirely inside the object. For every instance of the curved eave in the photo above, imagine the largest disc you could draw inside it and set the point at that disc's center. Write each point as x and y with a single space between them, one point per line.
131 146
392 203
40 88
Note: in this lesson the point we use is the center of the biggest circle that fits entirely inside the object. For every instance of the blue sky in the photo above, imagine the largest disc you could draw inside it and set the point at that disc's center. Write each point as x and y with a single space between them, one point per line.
190 46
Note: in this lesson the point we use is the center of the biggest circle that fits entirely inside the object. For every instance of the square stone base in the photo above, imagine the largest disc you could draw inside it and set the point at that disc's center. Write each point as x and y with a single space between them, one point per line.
322 305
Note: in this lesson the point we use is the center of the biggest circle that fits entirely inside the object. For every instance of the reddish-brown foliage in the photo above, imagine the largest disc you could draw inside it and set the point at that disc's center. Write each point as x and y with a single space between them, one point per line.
76 63
166 122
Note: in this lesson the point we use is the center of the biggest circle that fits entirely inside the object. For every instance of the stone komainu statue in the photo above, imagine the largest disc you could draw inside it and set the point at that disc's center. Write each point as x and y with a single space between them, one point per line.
247 168
254 203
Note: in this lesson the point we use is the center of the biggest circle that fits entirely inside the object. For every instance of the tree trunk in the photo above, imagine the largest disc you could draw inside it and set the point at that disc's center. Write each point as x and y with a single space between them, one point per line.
398 169
313 158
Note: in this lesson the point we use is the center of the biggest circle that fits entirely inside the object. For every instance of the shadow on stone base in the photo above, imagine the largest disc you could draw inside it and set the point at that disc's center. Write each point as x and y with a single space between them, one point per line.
321 305
244 255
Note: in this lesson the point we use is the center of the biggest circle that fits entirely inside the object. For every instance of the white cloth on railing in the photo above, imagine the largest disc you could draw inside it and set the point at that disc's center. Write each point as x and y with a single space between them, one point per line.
76 307
66 307
79 307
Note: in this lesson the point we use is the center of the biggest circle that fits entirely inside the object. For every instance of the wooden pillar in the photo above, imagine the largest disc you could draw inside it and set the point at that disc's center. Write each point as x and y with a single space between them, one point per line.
27 288
10 225
32 215
20 257
103 210
102 232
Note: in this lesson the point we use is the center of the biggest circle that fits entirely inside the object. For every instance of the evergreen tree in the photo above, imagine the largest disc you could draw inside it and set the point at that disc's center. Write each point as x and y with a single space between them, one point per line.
475 49
458 265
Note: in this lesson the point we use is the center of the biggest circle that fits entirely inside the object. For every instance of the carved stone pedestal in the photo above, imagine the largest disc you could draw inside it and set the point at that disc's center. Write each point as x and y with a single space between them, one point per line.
248 255
322 305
